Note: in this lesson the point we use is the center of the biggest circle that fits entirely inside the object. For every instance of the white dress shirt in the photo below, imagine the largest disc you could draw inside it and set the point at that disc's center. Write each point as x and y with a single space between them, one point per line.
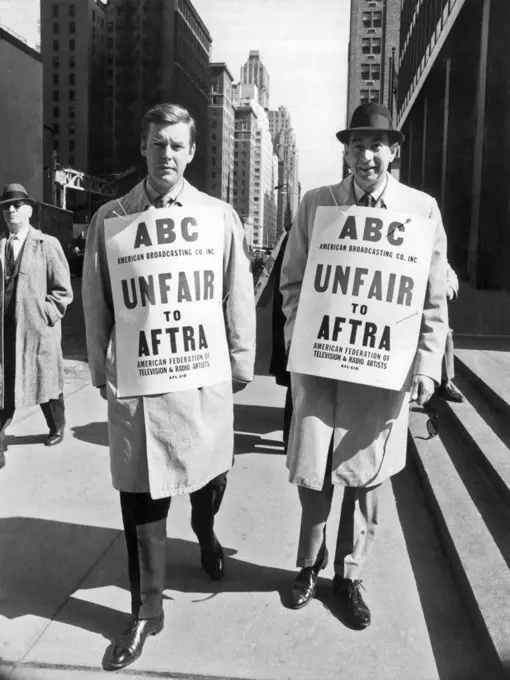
17 240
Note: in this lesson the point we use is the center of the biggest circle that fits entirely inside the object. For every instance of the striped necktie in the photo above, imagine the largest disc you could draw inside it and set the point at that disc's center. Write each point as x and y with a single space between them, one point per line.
367 201
10 262
165 202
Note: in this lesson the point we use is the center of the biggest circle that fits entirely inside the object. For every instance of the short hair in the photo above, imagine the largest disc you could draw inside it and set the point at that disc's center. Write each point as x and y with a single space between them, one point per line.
169 114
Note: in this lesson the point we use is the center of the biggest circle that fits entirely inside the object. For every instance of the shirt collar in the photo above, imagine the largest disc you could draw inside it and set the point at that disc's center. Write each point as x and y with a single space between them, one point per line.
21 235
153 195
376 195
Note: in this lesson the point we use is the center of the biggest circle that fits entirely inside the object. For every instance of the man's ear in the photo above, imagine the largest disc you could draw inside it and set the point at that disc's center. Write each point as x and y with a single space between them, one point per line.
393 149
192 152
143 146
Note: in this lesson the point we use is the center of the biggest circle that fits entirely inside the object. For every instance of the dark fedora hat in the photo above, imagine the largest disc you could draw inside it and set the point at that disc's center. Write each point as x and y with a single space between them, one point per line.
372 117
15 192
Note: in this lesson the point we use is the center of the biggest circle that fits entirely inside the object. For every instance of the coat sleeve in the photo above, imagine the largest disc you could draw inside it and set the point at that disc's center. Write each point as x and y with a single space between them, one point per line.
59 292
293 265
97 299
452 280
434 325
238 299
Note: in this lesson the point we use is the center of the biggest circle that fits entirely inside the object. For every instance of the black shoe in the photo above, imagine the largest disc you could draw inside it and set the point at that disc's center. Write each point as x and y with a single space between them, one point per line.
305 583
448 392
54 438
355 612
129 646
212 559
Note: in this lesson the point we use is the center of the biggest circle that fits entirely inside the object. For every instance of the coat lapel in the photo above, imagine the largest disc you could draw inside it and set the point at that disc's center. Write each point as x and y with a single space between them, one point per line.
34 237
343 192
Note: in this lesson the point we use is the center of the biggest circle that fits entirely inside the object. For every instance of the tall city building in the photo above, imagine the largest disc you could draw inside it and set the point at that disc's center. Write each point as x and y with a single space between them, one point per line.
221 130
254 193
453 85
21 114
73 44
285 147
373 46
157 52
126 56
255 73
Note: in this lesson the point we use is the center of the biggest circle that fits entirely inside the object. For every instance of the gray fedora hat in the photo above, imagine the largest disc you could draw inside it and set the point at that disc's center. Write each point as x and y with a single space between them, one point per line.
371 117
11 193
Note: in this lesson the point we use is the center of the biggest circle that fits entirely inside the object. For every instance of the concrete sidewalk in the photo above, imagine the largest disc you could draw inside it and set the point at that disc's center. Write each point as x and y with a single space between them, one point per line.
63 582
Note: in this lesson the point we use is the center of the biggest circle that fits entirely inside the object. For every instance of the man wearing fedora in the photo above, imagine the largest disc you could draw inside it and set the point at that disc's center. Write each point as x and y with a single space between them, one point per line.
35 291
349 434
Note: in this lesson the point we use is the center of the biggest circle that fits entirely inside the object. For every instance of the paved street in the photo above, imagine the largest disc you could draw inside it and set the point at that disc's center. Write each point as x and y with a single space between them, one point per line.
64 591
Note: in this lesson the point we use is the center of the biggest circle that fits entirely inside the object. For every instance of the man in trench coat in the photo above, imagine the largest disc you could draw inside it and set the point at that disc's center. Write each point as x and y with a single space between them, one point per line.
349 434
35 290
176 443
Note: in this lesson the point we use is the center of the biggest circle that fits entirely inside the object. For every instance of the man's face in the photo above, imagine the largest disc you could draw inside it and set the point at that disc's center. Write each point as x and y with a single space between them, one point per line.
368 156
167 150
17 215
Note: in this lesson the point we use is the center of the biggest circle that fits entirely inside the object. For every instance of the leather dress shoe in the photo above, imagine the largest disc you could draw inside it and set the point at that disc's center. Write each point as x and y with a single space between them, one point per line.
129 646
354 609
54 438
305 583
212 559
448 392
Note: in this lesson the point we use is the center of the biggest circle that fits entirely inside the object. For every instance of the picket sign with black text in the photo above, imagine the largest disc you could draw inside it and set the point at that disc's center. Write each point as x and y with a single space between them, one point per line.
166 271
361 303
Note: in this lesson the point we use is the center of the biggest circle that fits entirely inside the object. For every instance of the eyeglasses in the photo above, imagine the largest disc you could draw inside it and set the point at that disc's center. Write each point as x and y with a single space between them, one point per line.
16 205
433 425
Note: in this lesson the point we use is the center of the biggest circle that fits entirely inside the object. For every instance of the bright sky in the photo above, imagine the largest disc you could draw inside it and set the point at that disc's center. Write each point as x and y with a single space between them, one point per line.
303 44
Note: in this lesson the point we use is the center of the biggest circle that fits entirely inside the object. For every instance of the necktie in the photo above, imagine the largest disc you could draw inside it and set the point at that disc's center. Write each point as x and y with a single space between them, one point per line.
10 261
165 202
367 201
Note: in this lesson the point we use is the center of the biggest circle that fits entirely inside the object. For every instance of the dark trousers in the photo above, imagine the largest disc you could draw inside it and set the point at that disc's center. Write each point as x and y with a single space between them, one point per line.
145 532
53 411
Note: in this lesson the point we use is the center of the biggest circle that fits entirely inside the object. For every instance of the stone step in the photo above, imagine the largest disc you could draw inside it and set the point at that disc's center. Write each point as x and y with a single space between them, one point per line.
485 430
489 371
474 526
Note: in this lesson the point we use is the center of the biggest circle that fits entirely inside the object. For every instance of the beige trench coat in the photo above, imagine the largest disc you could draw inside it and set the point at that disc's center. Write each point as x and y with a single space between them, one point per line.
174 443
368 425
43 293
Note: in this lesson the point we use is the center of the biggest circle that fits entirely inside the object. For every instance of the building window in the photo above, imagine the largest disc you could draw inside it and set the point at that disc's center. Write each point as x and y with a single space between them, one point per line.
56 128
55 79
371 45
110 27
55 45
71 95
72 44
72 112
370 71
55 145
72 61
376 19
72 79
56 112
364 96
374 95
109 43
72 161
71 145
55 10
56 27
72 10
56 95
72 27
55 63
72 128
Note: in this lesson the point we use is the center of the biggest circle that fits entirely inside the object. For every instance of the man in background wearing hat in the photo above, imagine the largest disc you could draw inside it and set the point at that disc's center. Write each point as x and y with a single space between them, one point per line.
35 291
349 434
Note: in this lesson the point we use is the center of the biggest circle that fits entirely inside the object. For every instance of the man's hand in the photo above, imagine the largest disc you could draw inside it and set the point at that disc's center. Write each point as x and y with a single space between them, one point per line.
422 389
237 385
102 391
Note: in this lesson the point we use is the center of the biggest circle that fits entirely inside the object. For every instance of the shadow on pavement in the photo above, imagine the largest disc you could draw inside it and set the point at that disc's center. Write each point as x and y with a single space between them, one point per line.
92 433
446 618
44 562
250 423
